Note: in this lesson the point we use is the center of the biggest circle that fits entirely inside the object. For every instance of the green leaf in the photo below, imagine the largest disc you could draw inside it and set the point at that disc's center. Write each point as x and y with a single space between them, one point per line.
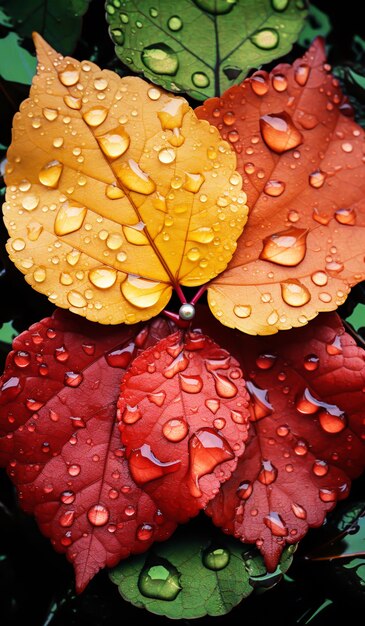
193 575
58 22
16 63
202 47
7 333
357 317
317 24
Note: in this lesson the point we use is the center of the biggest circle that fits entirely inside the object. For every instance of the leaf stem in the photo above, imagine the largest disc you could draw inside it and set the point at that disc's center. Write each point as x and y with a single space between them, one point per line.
180 293
199 294
175 317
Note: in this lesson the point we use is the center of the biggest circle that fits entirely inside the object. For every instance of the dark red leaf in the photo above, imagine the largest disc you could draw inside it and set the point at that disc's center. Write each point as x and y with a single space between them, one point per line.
183 412
61 443
301 157
306 433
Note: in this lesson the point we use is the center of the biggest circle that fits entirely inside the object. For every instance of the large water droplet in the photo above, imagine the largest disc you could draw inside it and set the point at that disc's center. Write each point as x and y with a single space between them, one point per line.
200 79
115 142
76 299
22 358
69 76
294 292
191 384
216 7
72 102
275 523
179 364
287 247
132 177
171 115
268 473
67 497
145 466
279 132
135 234
224 387
317 178
207 449
103 277
266 38
346 217
159 579
175 429
274 188
320 468
131 414
204 234
301 74
242 310
140 292
216 558
98 515
50 174
279 5
259 84
167 155
244 490
332 421
266 361
160 59
260 405
69 218
95 116
193 182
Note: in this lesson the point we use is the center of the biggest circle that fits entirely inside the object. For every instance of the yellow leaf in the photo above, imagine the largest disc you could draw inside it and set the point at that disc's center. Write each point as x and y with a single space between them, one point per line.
116 192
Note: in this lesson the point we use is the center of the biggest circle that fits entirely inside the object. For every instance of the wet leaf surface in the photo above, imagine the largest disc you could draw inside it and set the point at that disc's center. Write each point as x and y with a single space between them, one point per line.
114 198
301 157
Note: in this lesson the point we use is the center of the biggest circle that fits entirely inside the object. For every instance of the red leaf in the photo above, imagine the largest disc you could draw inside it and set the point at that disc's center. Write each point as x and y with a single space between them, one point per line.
61 443
302 161
183 411
306 434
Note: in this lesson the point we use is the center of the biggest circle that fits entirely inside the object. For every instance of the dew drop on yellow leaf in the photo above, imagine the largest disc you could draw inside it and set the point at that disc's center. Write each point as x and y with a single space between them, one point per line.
116 192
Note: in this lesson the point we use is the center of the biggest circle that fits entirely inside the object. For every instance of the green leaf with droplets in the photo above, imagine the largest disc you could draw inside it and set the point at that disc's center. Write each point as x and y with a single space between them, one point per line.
202 47
23 65
59 22
318 24
198 572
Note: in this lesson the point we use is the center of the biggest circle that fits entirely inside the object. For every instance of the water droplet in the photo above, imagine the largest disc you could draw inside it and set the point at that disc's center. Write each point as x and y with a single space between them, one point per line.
76 299
327 495
131 414
268 474
294 292
207 449
34 229
347 147
72 102
159 579
40 274
167 155
301 448
103 277
135 234
179 364
58 142
22 358
154 93
191 384
260 404
66 540
140 292
332 421
132 177
319 278
67 497
320 468
287 247
204 234
174 23
224 387
242 310
69 76
160 59
244 490
259 84
157 398
10 389
145 466
144 532
175 429
100 84
282 431
114 143
274 188
334 348
298 511
279 5
200 79
50 174
30 202
266 361
67 519
171 115
213 405
311 362
69 218
216 559
266 39
279 132
50 114
275 523
95 116
345 216
317 178
74 470
73 379
98 515
301 74
279 82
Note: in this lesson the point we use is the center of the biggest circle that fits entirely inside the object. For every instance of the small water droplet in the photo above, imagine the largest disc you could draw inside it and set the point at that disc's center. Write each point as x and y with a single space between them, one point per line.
207 449
268 474
50 114
157 398
244 490
216 559
22 358
50 174
298 511
331 421
69 76
334 348
274 188
73 379
319 278
224 387
317 178
301 448
259 83
167 155
103 277
345 216
175 429
76 299
327 495
114 143
279 132
294 292
67 519
175 23
311 362
260 405
320 468
72 102
191 384
200 79
160 59
204 234
301 74
266 38
74 469
98 515
69 218
347 147
279 82
275 523
287 247
266 361
100 83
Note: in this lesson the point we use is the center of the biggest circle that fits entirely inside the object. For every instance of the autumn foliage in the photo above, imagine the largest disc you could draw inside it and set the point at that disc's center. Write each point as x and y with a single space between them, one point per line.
119 193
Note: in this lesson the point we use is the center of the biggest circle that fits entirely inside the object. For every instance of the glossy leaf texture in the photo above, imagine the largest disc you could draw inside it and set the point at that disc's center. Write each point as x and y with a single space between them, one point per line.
302 160
202 47
306 436
116 192
61 444
193 575
183 417
59 22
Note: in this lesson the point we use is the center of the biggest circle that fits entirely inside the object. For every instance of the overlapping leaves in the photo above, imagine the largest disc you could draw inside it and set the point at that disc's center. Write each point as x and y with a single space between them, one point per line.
120 192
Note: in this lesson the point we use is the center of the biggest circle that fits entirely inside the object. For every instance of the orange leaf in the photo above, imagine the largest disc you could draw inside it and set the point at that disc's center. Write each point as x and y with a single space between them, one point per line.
302 162
116 192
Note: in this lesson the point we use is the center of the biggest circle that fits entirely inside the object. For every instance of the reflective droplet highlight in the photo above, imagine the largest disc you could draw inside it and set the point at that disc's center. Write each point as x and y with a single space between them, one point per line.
279 132
287 247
